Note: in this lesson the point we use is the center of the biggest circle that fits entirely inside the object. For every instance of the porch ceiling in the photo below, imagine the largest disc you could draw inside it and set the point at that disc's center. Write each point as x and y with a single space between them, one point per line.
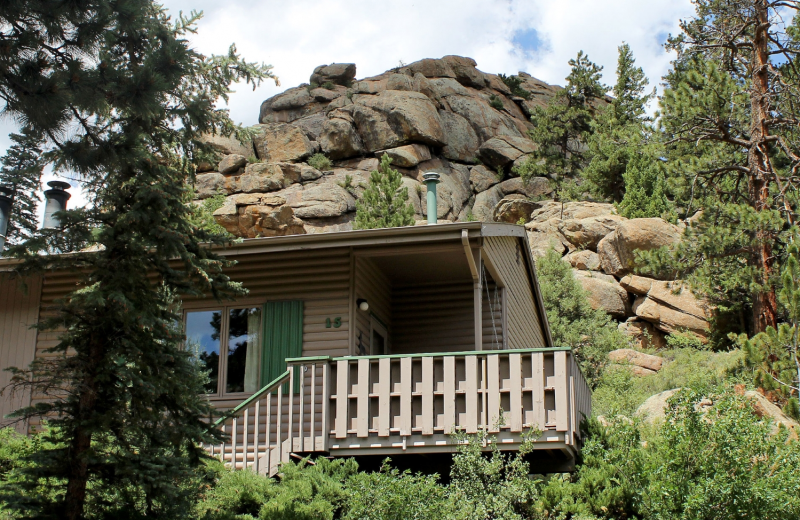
422 268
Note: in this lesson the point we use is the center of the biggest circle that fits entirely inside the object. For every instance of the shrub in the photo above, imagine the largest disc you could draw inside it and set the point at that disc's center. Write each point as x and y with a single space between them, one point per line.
329 85
384 203
203 214
573 323
514 83
320 162
495 102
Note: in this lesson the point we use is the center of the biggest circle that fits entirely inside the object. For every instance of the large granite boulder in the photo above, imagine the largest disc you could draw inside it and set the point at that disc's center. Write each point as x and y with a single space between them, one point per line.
487 201
513 210
669 305
481 179
336 73
617 249
453 190
407 156
571 210
643 334
584 260
604 292
282 143
393 118
499 152
209 184
461 141
340 140
320 201
641 363
586 233
231 164
227 145
544 236
258 215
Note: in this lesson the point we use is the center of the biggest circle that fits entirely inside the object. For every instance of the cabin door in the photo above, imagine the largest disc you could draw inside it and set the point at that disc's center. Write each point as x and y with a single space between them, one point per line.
378 338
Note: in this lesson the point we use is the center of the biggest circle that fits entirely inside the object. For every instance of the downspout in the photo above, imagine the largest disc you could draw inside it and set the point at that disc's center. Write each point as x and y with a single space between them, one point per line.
477 286
55 200
6 201
431 179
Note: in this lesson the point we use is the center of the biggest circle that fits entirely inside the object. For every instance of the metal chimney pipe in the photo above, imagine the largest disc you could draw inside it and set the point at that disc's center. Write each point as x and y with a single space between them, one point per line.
6 201
55 200
431 179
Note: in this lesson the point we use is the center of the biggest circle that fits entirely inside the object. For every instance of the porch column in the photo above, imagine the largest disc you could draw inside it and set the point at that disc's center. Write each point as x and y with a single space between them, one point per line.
474 260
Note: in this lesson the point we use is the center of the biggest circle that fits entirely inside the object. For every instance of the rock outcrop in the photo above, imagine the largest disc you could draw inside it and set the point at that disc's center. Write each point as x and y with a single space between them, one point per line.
640 363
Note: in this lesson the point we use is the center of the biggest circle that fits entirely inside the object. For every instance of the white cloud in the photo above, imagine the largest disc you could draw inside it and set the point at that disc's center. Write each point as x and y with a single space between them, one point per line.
295 36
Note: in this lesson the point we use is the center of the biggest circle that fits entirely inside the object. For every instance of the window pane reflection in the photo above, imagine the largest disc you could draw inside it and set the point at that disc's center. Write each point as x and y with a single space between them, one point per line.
244 356
203 338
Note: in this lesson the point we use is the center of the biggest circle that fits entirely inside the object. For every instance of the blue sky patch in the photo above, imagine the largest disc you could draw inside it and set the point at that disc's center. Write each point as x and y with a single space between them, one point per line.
528 40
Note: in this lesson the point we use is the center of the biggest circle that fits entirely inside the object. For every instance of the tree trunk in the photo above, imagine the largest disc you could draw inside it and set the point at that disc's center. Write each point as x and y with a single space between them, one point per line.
765 308
75 498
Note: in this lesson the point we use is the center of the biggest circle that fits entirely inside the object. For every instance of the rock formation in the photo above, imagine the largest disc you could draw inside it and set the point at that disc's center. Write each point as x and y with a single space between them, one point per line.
441 115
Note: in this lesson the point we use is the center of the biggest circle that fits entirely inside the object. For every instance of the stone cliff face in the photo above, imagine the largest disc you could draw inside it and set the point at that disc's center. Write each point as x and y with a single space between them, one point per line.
440 115
447 116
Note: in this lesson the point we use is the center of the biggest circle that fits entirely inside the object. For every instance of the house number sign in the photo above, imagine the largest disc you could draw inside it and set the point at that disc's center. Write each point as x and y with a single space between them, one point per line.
336 322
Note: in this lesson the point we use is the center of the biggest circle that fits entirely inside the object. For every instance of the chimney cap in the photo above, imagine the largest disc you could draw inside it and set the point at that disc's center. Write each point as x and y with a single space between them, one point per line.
59 185
431 177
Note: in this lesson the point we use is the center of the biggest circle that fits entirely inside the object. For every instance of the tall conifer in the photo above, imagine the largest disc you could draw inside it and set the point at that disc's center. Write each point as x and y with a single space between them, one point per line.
122 100
21 171
384 203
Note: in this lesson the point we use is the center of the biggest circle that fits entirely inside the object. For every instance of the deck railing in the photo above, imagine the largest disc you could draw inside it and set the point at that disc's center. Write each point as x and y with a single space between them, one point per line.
384 405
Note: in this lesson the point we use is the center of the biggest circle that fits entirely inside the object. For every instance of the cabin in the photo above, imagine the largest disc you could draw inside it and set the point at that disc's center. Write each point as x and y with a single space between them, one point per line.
368 343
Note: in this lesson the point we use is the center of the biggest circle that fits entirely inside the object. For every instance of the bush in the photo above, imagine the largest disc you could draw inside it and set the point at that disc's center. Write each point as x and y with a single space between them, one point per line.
514 83
329 85
573 323
495 102
320 162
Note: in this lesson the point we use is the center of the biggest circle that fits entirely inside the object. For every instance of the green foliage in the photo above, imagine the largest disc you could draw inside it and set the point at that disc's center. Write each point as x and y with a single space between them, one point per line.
774 355
253 159
124 101
697 464
320 162
514 83
394 495
495 102
384 203
622 135
21 171
573 323
202 215
645 190
563 128
619 392
329 85
307 491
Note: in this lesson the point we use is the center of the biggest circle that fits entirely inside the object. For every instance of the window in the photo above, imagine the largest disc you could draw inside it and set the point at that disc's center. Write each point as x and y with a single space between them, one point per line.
227 343
378 337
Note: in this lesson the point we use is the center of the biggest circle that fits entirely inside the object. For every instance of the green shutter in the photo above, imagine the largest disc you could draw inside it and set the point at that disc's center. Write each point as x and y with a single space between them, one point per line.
283 338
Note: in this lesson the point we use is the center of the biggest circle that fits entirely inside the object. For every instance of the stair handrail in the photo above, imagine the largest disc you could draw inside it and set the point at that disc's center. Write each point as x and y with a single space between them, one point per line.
269 387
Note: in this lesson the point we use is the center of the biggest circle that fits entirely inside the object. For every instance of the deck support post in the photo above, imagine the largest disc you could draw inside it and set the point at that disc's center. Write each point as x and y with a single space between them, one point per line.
477 285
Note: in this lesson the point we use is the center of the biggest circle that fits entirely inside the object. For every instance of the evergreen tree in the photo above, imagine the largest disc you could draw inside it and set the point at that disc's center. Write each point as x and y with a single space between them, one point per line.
562 129
384 203
123 101
621 131
645 189
774 355
21 172
731 116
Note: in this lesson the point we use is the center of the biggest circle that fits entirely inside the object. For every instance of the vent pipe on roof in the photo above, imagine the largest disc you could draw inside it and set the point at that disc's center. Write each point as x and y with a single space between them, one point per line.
55 200
6 201
431 179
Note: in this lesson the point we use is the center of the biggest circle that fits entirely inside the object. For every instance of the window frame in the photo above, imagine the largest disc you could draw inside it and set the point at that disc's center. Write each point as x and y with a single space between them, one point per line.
222 368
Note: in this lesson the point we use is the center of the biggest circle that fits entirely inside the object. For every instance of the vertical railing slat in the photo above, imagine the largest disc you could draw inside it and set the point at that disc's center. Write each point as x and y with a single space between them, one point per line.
471 389
244 433
362 401
326 429
427 396
449 394
515 399
256 437
493 417
278 432
562 406
384 400
269 432
290 422
234 434
537 377
405 396
342 386
311 445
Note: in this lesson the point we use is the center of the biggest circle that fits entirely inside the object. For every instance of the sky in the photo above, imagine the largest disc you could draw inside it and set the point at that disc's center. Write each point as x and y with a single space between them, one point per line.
535 36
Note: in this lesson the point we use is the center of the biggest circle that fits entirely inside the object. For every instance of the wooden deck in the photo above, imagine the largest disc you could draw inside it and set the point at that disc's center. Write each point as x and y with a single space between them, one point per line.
392 405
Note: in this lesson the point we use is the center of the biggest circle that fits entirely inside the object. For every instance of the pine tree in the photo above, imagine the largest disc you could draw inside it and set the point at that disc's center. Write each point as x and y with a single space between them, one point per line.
384 203
645 189
21 172
123 101
731 116
562 129
621 131
774 355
